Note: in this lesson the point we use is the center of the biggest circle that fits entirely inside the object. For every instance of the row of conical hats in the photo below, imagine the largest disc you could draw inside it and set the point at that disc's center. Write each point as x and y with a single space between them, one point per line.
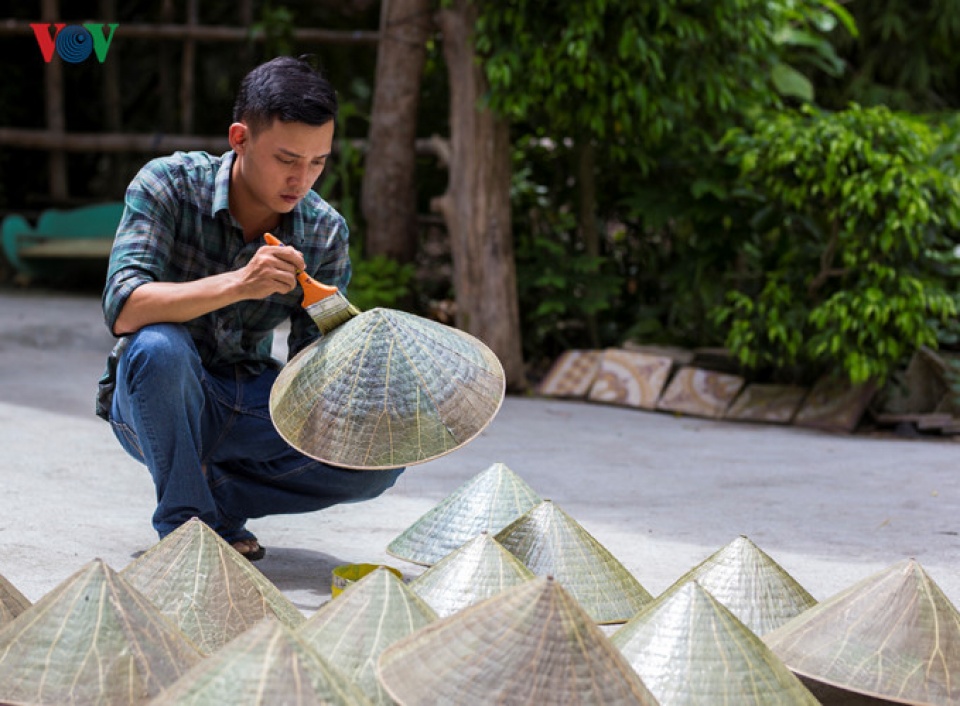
532 643
495 526
192 622
209 591
865 640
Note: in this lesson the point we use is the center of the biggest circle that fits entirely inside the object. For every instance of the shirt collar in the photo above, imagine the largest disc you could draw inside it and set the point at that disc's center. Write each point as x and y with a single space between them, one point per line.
221 188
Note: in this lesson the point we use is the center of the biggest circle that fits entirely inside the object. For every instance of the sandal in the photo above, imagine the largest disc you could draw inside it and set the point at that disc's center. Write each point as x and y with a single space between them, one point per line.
250 548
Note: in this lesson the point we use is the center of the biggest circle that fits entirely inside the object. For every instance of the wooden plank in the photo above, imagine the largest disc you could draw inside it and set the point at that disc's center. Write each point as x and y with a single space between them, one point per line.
68 248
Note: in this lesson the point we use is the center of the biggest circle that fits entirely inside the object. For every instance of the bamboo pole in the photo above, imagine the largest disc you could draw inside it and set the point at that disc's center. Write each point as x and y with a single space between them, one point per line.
55 118
212 33
158 143
162 143
187 70
168 117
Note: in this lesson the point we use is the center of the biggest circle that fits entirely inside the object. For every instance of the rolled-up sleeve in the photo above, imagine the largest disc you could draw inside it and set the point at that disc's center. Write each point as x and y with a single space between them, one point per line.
144 239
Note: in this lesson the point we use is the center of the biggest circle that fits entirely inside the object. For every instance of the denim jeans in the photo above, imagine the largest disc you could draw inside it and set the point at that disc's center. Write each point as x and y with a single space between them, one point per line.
207 439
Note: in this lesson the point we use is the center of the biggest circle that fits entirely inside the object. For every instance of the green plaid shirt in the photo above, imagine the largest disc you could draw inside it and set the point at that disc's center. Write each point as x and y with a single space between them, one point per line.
177 227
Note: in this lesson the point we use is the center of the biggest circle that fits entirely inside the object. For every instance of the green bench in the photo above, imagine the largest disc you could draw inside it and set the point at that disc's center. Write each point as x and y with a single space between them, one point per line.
81 235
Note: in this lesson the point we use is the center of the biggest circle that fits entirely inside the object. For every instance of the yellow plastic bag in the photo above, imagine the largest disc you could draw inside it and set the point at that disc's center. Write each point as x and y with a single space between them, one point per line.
344 576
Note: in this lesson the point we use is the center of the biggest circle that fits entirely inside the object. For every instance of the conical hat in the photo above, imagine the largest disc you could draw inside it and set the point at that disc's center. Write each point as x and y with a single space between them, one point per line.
894 635
531 644
387 389
751 584
268 664
351 632
690 649
479 569
488 502
12 602
207 587
550 542
92 639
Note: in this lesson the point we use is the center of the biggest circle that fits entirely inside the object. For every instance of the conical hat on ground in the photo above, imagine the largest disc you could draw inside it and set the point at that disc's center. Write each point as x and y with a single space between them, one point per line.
550 542
752 585
387 389
268 664
478 570
488 502
12 602
894 635
532 644
207 587
92 640
688 648
351 632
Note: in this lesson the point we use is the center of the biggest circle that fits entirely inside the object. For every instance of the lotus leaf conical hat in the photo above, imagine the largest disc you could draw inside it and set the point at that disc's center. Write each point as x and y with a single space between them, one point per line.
688 648
550 542
488 502
894 635
93 639
207 587
531 644
12 602
752 585
351 632
387 389
268 664
478 570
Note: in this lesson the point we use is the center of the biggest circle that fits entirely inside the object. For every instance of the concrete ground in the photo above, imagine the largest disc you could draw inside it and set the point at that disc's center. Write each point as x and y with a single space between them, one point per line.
660 492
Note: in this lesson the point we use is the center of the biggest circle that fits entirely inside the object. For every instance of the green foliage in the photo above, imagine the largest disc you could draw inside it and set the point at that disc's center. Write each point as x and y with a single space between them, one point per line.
904 57
560 286
802 37
841 259
631 73
276 24
652 87
340 182
378 281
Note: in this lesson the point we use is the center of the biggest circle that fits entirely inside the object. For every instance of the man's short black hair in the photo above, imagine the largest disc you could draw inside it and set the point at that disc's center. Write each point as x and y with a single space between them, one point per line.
285 89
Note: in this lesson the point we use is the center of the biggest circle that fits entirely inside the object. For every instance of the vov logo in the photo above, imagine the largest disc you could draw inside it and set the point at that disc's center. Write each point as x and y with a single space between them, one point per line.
74 43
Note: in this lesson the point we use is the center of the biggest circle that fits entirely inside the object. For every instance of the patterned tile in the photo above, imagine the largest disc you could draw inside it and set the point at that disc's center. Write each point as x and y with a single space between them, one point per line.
701 393
630 378
776 404
834 405
571 375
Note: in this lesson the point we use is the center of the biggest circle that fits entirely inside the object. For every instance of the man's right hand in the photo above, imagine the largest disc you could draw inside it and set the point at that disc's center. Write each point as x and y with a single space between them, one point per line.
272 270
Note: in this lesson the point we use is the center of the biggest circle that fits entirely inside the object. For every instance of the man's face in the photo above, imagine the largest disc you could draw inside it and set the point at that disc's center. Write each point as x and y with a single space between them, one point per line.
277 165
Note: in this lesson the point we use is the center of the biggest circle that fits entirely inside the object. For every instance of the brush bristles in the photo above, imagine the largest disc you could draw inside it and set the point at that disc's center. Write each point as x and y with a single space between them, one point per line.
329 313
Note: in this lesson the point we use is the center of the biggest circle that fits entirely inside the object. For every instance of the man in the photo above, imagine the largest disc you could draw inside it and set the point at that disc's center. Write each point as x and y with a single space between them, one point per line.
194 295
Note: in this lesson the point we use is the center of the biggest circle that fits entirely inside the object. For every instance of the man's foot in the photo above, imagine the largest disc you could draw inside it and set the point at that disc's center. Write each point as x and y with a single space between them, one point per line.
250 548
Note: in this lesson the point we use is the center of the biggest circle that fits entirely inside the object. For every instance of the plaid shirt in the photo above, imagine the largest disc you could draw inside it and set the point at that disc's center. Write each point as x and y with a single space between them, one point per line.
177 227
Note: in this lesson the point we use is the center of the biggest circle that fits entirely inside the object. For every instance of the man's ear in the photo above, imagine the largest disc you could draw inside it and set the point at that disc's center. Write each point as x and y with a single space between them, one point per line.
239 135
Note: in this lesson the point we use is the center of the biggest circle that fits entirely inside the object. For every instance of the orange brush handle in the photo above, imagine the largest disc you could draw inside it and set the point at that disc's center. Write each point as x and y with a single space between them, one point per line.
313 291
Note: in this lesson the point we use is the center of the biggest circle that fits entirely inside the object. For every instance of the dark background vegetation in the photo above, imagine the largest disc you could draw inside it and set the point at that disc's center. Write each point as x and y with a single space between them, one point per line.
679 232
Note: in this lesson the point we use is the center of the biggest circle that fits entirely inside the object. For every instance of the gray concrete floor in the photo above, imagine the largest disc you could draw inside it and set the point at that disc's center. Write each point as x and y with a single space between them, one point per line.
660 492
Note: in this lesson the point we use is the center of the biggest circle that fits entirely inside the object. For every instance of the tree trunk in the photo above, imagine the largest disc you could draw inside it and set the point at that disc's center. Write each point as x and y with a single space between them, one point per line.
389 194
476 206
54 109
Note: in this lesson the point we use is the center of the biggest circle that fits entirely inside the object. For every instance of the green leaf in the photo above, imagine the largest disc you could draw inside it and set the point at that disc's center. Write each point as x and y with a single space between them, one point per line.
790 82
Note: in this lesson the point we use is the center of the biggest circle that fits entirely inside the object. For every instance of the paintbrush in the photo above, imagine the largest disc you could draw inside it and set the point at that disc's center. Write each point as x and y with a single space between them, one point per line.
326 305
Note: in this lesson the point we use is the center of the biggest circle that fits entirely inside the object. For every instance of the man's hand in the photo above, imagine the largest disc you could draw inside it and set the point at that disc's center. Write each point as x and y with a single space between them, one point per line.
272 270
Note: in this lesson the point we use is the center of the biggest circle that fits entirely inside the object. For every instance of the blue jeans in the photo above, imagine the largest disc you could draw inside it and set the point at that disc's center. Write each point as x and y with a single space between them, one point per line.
207 438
